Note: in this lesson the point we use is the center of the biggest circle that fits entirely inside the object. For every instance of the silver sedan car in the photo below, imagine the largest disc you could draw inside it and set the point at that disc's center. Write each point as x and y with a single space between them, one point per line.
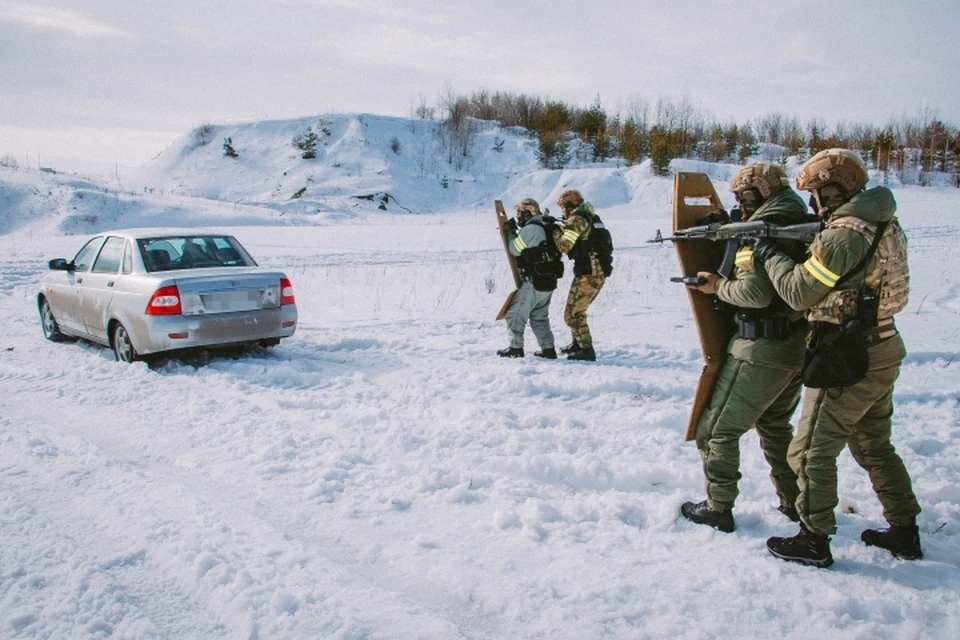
146 291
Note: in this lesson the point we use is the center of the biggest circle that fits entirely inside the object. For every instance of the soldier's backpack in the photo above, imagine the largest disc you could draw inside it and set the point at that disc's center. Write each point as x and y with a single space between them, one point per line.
601 243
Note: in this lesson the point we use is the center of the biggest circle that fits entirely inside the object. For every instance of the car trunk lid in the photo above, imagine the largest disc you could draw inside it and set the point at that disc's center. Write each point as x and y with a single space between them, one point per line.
229 293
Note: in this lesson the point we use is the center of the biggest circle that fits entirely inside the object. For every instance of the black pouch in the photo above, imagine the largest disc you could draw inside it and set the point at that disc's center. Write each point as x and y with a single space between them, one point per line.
836 356
544 281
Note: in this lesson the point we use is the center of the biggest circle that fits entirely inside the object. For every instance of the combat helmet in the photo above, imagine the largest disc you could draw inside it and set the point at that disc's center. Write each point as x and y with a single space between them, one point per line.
526 209
570 198
833 166
766 177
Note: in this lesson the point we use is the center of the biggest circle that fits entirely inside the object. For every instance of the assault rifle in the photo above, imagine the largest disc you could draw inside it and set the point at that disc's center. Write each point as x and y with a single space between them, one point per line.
750 231
736 232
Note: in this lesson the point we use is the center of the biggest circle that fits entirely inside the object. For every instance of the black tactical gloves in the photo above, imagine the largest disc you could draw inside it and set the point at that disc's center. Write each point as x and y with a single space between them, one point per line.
764 248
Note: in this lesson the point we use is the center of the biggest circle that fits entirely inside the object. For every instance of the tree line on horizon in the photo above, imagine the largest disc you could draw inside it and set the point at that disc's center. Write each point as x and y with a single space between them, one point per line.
913 148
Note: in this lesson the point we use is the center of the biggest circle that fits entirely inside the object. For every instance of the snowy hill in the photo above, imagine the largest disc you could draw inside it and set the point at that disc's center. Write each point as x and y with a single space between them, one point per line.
365 161
382 475
357 156
365 165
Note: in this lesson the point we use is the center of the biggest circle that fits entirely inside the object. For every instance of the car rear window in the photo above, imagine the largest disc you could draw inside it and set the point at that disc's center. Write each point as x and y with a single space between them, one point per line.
172 253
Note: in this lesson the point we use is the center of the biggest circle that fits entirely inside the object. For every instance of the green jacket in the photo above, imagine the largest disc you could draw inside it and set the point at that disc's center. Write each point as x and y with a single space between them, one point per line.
834 252
750 288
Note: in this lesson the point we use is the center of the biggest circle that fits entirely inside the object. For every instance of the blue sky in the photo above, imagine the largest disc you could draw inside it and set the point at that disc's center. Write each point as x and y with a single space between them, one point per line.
111 82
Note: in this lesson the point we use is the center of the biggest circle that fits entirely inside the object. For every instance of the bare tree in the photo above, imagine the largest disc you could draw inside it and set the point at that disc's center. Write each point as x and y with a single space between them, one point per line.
201 135
772 128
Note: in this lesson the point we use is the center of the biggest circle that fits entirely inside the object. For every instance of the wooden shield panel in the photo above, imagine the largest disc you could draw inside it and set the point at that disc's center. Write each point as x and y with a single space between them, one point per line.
511 259
694 199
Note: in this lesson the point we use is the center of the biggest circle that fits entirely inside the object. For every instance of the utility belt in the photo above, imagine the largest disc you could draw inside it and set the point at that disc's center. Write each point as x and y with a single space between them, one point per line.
773 328
885 329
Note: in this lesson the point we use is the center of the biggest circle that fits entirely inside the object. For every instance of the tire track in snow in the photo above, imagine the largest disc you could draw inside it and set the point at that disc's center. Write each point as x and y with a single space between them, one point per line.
237 522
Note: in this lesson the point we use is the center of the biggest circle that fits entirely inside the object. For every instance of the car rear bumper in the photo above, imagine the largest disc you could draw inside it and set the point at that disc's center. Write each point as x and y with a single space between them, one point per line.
167 333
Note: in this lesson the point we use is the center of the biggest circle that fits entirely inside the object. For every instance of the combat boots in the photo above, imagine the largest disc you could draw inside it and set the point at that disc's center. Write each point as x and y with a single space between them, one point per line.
511 352
573 347
790 512
550 354
806 547
901 541
584 353
701 513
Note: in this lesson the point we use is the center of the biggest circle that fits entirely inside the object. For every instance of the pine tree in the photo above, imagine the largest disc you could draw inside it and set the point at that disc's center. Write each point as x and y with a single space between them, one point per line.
554 150
630 144
307 143
660 151
748 144
602 146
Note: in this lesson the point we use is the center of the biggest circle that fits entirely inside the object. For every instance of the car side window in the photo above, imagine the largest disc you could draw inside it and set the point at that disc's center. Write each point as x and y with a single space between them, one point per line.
84 257
127 258
110 256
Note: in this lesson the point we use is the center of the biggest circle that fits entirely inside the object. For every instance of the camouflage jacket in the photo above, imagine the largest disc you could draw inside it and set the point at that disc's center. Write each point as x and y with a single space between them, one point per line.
813 286
575 229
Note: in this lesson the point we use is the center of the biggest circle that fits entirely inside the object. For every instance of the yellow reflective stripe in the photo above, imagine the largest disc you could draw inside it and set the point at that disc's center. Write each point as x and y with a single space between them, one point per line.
519 244
570 235
744 255
820 272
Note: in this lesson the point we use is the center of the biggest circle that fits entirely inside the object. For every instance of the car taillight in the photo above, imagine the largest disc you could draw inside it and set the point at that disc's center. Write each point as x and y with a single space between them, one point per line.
165 301
286 292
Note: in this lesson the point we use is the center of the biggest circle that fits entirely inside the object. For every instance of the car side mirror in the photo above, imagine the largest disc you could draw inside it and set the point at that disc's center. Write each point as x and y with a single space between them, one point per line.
60 264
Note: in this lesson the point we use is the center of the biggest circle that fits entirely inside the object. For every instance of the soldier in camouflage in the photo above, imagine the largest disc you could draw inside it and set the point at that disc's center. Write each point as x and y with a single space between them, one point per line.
826 287
759 384
590 270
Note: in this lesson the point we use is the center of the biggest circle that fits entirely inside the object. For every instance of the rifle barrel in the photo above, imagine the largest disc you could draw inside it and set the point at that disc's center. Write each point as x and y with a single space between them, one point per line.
805 232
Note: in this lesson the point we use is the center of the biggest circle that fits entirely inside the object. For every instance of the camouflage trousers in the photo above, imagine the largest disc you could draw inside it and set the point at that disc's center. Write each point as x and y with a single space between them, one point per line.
748 395
858 417
583 291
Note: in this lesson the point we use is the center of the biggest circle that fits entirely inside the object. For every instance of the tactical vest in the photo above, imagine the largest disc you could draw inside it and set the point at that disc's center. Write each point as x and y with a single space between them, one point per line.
777 320
592 254
541 263
887 272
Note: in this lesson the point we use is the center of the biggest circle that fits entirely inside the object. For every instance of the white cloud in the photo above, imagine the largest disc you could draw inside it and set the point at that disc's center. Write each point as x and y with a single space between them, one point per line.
57 19
167 66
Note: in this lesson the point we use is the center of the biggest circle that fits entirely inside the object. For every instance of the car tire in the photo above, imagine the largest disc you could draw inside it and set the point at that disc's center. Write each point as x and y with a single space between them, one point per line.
51 330
122 346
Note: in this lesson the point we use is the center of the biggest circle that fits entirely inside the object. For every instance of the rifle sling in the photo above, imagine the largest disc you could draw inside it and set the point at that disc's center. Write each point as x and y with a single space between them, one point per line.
877 235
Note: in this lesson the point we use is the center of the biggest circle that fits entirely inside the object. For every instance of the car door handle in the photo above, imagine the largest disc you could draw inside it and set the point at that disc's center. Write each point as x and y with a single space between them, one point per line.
79 280
109 283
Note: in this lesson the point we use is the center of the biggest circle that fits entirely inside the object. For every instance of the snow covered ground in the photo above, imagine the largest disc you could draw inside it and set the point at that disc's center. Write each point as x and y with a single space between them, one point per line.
383 475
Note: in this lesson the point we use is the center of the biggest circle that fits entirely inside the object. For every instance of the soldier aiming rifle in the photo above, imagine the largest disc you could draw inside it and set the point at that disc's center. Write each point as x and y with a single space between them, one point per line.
758 384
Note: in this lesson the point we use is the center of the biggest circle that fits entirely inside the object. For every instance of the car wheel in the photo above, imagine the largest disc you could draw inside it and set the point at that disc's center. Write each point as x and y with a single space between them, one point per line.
122 347
51 330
